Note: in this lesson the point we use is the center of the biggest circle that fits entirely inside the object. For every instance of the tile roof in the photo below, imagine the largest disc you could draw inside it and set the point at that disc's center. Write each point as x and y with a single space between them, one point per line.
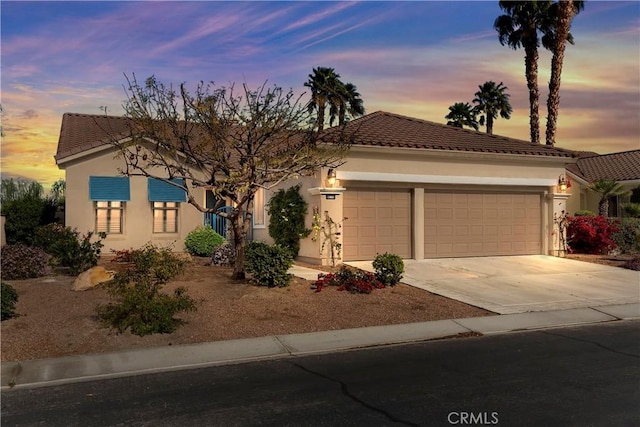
81 132
384 129
623 166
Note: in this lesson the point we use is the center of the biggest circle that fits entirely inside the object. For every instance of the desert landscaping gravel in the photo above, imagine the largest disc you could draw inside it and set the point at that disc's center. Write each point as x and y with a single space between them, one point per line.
55 321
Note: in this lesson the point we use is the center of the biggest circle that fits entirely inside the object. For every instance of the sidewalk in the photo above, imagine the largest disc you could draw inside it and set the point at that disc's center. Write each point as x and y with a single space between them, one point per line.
46 372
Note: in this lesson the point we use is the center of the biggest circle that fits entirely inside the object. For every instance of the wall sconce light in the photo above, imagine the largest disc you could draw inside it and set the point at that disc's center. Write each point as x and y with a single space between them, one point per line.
331 177
562 184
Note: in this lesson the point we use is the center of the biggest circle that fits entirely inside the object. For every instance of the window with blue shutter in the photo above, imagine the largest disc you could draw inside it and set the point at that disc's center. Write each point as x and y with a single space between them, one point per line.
109 188
161 191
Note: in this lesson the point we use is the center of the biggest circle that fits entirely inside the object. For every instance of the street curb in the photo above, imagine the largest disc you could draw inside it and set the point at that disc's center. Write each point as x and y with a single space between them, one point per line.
78 368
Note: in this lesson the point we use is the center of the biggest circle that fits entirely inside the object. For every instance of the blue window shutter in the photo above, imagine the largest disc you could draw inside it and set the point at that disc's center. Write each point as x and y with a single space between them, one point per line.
160 191
109 188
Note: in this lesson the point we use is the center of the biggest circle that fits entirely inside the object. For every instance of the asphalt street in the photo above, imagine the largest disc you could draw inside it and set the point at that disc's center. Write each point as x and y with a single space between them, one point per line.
578 376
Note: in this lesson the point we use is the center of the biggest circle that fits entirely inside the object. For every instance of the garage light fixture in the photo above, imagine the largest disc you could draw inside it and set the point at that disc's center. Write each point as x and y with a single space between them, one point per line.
562 184
331 177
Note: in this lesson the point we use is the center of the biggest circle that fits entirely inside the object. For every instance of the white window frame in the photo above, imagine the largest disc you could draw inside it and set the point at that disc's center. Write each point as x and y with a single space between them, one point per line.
109 208
164 208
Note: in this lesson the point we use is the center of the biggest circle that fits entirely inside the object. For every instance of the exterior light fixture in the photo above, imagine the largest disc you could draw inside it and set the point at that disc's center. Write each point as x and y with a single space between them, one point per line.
331 177
562 184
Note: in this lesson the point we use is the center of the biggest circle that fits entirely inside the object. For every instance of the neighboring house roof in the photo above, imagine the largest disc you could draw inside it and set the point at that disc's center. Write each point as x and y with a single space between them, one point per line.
384 129
623 166
81 132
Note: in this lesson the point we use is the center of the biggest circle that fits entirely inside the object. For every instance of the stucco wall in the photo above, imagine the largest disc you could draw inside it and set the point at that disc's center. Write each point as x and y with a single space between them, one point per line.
137 228
309 250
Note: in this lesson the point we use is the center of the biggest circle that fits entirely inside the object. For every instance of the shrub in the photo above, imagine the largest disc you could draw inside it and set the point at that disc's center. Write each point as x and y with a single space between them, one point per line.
23 217
68 248
23 262
585 212
388 268
140 305
631 209
352 280
9 300
633 263
225 254
268 264
591 234
202 241
627 237
287 211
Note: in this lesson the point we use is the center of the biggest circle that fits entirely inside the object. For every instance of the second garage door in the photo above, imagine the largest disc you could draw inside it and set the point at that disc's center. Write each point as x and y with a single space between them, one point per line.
377 221
480 224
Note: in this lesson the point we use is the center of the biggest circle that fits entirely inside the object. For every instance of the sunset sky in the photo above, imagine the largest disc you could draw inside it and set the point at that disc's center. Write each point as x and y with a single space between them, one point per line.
410 58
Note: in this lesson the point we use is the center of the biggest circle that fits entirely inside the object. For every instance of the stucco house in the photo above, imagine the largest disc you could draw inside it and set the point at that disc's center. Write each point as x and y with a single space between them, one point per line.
409 186
623 167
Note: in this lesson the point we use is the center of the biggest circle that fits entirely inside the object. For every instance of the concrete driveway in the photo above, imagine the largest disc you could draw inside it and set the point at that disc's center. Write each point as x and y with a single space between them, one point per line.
519 284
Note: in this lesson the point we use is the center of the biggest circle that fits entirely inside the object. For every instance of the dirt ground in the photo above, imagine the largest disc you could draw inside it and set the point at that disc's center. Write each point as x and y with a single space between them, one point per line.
55 321
612 260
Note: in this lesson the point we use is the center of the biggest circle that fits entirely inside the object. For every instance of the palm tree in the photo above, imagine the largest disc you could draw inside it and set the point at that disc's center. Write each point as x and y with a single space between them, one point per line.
347 100
323 83
462 114
519 27
563 12
607 189
492 100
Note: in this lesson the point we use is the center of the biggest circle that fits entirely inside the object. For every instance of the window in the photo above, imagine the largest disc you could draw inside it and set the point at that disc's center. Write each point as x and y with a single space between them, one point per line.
109 217
165 217
258 209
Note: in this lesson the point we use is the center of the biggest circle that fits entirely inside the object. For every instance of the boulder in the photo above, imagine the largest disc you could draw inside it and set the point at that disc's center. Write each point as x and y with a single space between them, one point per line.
91 278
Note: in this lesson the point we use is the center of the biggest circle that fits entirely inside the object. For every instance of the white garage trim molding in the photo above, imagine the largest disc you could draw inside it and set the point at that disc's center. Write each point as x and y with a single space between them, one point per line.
444 179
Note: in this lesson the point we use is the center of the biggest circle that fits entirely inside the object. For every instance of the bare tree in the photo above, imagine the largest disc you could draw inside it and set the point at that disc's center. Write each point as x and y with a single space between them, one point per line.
230 143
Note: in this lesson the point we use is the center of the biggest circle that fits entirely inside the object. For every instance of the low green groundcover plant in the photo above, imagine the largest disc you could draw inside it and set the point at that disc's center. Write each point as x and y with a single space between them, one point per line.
20 262
9 301
140 304
268 264
202 241
388 268
347 279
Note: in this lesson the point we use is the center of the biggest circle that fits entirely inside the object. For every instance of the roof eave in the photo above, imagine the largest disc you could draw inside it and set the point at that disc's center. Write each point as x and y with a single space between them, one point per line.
443 153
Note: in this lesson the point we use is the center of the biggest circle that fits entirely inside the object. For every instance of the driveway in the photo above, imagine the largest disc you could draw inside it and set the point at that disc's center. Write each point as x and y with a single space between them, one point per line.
520 284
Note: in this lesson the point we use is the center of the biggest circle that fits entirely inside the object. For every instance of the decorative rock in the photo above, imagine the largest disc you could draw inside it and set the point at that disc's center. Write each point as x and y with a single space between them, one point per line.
91 278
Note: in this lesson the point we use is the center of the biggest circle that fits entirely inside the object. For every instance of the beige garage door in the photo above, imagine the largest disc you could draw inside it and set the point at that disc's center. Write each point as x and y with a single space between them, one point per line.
377 221
473 224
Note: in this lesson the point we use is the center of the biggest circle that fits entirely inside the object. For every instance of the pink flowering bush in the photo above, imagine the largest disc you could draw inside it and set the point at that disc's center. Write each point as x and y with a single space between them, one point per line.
591 234
351 280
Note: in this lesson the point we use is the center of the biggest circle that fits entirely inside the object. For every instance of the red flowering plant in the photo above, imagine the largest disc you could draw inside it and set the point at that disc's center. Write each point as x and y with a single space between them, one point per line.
591 234
351 280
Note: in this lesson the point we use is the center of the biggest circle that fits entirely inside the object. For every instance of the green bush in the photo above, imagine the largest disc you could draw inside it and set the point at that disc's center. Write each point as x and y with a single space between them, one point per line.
9 300
585 212
202 241
22 217
268 264
140 305
20 262
68 248
627 238
287 211
388 268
